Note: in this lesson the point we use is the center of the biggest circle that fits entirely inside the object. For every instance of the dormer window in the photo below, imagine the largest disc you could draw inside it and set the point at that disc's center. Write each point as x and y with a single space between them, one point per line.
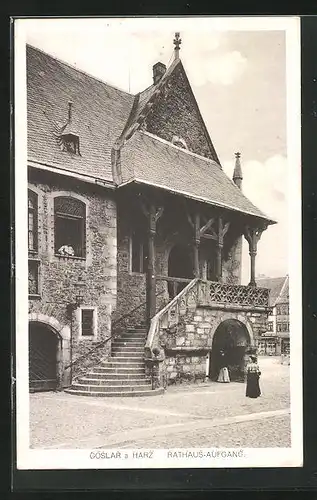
70 143
69 138
178 141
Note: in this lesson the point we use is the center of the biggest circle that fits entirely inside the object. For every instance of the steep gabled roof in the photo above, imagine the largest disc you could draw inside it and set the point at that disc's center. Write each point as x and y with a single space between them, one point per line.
99 115
112 148
279 289
145 100
150 160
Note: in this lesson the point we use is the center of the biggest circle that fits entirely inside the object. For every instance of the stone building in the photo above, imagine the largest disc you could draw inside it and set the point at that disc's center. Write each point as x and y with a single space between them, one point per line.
276 339
135 236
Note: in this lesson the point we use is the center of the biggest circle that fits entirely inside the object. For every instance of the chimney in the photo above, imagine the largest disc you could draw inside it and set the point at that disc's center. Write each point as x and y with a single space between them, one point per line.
237 173
159 70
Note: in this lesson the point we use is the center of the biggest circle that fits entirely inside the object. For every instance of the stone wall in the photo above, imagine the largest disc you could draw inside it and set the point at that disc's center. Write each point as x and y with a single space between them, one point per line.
175 114
188 344
131 285
97 271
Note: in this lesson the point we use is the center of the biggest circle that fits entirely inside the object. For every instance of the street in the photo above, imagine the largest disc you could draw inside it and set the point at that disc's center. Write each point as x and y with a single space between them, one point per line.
198 415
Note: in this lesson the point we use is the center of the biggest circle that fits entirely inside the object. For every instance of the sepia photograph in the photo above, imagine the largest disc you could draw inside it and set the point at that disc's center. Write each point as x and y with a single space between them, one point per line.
158 242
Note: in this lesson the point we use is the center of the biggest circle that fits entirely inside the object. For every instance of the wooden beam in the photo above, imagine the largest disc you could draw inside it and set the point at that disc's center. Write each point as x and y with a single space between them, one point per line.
196 244
207 226
253 235
150 276
210 236
159 213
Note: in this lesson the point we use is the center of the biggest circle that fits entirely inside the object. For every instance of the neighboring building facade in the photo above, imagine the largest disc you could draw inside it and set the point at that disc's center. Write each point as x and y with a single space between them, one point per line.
276 339
133 227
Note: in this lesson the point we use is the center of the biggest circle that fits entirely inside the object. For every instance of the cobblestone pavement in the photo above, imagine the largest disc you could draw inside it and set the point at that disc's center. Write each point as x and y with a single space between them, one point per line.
199 415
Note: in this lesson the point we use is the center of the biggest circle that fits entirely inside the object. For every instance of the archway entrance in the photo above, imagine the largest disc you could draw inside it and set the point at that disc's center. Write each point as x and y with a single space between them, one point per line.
179 266
230 343
43 357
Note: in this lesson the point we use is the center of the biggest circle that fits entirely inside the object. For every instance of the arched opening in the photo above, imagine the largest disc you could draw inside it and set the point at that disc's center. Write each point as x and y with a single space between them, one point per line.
180 265
44 354
230 344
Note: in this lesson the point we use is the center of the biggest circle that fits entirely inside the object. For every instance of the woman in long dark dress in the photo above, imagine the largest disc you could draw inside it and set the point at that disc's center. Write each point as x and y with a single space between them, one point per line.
253 375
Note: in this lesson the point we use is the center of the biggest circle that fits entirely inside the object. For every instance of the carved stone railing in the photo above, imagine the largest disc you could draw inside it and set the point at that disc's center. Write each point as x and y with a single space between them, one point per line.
170 315
212 293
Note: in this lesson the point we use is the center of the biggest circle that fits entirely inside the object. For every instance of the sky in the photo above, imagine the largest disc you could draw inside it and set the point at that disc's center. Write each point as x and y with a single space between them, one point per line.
239 81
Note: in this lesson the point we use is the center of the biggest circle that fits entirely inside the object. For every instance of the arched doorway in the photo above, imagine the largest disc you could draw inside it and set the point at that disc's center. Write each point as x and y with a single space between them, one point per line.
44 347
180 265
230 343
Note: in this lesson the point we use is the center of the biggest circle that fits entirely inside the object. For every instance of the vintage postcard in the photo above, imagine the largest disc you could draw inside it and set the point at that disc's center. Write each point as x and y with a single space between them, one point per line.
158 242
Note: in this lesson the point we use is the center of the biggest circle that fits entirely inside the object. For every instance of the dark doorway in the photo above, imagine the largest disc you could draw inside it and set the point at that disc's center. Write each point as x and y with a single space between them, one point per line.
230 343
43 349
179 266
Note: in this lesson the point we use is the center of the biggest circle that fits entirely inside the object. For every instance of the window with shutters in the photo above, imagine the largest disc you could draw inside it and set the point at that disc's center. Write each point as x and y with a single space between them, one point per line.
70 227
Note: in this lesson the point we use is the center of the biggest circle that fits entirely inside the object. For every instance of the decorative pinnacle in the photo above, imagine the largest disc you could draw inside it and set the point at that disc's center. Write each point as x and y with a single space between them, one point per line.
177 42
237 173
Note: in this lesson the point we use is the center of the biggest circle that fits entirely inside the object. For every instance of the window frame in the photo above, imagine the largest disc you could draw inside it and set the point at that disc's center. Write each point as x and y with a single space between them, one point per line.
142 256
58 215
36 262
94 321
35 217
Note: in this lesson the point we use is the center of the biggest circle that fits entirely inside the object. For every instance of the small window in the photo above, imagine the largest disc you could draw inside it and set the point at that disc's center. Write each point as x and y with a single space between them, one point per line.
282 327
70 143
70 225
87 322
33 277
139 254
270 326
32 221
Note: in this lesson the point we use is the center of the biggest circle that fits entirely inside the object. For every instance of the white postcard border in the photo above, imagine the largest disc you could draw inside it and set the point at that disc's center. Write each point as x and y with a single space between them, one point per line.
77 459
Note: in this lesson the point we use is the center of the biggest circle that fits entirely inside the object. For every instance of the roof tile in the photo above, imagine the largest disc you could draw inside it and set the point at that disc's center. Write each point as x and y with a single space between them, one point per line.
151 160
99 113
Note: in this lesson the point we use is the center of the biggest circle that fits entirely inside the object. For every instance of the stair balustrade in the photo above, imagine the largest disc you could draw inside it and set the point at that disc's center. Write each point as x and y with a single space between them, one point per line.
213 293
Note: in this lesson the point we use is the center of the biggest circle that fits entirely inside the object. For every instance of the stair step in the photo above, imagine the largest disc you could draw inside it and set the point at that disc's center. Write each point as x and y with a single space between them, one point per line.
128 348
114 374
127 354
138 337
90 380
151 392
123 363
142 329
110 388
126 359
128 343
119 367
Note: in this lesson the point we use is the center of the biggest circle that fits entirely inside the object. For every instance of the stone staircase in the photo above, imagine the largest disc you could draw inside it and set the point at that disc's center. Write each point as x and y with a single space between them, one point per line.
120 375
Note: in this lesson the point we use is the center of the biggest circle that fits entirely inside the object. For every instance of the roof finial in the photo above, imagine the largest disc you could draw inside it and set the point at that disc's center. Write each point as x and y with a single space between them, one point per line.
237 173
177 42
